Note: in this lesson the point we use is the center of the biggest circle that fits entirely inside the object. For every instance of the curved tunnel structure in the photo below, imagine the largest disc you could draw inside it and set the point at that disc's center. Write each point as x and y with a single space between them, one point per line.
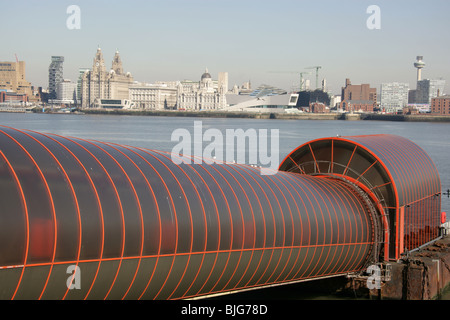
83 219
394 172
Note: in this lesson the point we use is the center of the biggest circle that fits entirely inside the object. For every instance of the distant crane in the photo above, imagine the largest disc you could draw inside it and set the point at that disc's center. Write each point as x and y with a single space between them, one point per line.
317 74
295 72
17 60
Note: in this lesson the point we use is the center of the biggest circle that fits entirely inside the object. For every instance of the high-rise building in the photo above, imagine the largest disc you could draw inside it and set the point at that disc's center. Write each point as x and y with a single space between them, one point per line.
97 84
81 72
428 89
393 96
223 81
55 75
12 78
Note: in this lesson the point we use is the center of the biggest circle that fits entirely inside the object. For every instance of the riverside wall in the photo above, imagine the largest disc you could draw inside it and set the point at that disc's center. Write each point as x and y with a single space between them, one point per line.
421 275
279 116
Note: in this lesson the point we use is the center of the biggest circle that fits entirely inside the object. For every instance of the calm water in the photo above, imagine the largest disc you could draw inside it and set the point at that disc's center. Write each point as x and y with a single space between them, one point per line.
155 132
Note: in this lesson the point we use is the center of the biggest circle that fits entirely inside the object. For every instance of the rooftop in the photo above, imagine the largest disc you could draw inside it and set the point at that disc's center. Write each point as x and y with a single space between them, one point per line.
445 96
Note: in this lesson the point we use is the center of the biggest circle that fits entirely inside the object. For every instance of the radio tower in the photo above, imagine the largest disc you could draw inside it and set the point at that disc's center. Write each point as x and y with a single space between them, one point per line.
419 64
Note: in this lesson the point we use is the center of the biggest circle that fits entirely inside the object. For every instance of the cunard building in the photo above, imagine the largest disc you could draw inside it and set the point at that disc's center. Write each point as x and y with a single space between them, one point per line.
101 87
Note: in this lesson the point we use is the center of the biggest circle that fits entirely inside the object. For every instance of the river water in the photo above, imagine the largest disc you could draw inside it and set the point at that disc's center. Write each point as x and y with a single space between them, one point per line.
155 132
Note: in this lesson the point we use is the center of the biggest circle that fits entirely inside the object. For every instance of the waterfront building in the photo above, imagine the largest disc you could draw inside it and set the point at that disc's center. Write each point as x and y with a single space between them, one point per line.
307 97
428 89
12 78
113 104
358 92
98 83
206 94
12 98
67 92
393 96
421 108
318 107
335 101
357 106
358 98
202 95
158 96
441 105
262 104
55 75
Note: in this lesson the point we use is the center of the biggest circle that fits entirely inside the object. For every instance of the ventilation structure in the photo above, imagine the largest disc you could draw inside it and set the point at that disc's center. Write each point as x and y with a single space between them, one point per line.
83 219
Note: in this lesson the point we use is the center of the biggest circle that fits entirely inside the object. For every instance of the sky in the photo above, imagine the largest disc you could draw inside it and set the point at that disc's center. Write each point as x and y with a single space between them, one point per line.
264 41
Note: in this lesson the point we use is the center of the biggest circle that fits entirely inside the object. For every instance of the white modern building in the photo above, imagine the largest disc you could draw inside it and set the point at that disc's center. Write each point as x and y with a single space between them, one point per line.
66 91
394 96
263 104
335 101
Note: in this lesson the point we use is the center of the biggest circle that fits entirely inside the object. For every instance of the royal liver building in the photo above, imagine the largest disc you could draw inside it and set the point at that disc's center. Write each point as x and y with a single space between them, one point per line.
98 84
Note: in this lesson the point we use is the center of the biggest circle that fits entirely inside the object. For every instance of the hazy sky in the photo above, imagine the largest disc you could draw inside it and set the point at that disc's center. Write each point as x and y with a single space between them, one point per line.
177 39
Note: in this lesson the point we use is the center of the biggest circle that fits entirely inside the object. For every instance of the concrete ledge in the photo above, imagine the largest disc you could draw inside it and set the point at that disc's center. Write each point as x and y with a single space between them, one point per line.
422 275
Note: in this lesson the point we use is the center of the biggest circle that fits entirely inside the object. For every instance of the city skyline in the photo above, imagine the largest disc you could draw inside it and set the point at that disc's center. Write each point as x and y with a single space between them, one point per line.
176 40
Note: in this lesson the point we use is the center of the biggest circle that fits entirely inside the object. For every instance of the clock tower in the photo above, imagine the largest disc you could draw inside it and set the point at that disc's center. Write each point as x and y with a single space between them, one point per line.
99 62
98 83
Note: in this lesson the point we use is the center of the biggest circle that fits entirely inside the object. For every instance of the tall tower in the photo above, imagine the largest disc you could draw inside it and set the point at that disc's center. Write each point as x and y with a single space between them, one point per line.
117 64
55 75
419 64
223 81
99 62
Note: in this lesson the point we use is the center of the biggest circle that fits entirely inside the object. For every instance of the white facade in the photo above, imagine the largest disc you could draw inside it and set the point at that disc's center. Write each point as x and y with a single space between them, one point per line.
203 95
335 101
158 96
66 91
263 104
394 96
